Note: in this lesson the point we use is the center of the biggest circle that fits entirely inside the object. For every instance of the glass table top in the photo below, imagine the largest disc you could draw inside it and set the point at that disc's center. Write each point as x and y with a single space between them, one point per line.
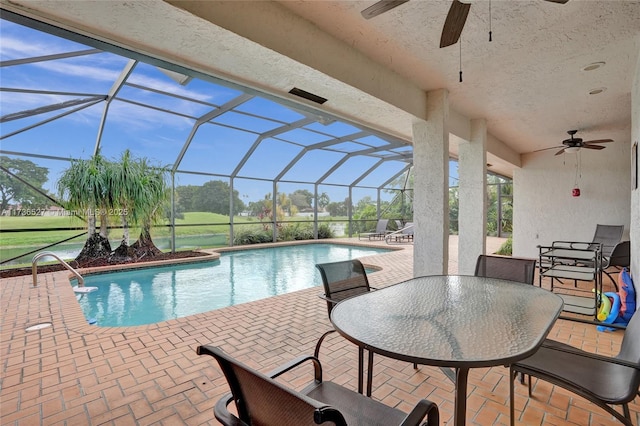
451 321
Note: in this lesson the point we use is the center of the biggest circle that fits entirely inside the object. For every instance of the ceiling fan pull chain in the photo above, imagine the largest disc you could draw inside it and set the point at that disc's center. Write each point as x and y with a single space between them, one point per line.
460 41
490 38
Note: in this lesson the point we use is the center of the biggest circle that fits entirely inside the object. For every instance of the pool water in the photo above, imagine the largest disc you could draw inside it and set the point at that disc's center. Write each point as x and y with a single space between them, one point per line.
150 295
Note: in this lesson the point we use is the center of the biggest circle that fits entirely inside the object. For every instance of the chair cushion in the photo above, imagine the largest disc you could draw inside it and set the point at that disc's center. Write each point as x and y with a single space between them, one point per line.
357 409
612 383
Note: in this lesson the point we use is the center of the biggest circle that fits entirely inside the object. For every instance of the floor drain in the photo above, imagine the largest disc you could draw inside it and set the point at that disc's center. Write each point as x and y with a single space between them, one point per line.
39 326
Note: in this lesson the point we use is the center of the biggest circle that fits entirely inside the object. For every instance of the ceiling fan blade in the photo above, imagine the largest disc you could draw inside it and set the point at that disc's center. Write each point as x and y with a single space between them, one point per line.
593 147
599 141
454 23
546 149
558 1
560 152
381 7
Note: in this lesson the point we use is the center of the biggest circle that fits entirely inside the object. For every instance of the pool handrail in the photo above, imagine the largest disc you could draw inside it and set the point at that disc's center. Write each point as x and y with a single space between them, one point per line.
34 267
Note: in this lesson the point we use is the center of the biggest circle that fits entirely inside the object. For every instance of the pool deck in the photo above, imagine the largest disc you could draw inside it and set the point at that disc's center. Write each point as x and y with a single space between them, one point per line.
73 373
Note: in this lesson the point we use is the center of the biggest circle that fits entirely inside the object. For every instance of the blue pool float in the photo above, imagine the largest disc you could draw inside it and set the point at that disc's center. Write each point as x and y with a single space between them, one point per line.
613 313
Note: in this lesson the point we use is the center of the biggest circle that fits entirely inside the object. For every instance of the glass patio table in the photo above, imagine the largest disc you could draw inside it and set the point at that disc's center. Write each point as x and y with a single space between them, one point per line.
459 322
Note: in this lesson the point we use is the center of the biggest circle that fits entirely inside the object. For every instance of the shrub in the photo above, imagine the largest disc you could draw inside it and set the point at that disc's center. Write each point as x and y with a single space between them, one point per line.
506 248
324 231
252 236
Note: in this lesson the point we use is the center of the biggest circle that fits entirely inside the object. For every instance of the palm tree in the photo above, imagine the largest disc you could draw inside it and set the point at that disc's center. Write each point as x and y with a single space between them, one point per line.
126 189
85 186
149 202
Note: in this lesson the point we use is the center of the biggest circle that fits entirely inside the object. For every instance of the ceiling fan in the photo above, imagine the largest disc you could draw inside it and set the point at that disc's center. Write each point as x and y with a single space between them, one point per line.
575 144
453 25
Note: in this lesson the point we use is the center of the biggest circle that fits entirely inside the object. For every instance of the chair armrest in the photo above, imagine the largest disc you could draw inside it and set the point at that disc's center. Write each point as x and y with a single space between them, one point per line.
323 297
423 408
317 367
222 413
591 355
583 245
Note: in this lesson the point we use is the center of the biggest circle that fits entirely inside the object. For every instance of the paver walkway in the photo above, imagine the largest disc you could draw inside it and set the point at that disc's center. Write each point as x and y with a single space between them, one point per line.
76 374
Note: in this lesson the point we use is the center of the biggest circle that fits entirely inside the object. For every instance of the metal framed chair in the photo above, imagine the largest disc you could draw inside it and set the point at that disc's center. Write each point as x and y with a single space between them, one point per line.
608 236
506 268
261 400
342 280
605 381
620 257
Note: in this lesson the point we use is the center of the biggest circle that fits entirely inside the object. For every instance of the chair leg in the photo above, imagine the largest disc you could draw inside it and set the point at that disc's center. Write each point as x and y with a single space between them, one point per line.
625 410
316 352
370 373
360 369
512 410
530 378
615 284
415 366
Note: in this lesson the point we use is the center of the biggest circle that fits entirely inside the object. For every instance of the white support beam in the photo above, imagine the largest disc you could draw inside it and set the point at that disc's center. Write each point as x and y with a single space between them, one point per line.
472 209
431 187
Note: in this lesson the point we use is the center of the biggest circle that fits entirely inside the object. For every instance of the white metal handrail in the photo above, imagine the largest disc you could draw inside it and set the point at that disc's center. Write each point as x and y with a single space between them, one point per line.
34 267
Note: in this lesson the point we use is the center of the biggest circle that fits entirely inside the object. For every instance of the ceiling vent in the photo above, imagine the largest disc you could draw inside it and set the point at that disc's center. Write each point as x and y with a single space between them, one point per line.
308 96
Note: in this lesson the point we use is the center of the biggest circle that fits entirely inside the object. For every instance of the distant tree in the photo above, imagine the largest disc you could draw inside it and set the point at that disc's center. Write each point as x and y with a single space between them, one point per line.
337 209
453 210
212 196
257 207
301 198
365 209
186 196
16 192
284 204
323 200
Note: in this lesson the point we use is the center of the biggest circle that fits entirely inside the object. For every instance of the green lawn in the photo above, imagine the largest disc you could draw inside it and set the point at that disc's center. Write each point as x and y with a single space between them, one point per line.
215 235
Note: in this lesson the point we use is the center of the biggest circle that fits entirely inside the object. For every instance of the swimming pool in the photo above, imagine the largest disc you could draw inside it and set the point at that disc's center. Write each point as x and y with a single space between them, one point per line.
150 295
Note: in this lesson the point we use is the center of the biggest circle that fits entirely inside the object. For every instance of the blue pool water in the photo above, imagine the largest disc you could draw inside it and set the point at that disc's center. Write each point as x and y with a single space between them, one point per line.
147 296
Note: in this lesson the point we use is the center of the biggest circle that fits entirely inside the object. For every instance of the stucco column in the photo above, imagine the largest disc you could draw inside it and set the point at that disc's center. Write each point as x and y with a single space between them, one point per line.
431 187
472 207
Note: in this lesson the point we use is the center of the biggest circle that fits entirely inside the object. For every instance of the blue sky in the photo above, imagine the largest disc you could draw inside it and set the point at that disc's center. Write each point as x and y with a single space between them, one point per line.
217 147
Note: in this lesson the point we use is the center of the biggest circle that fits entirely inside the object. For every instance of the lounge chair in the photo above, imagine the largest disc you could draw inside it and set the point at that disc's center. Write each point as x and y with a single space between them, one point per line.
402 235
261 400
380 232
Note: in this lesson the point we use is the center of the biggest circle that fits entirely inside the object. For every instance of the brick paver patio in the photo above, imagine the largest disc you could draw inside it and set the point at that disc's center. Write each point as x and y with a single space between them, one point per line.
76 374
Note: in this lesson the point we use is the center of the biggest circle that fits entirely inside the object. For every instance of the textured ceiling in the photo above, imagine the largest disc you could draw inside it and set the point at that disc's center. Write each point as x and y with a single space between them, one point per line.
528 82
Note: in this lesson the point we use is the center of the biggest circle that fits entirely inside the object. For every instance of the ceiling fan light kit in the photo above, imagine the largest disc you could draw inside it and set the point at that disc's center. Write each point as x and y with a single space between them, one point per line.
574 145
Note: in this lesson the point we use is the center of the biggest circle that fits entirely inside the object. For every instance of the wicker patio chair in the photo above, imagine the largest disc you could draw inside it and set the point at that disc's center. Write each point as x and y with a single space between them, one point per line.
605 381
507 268
261 400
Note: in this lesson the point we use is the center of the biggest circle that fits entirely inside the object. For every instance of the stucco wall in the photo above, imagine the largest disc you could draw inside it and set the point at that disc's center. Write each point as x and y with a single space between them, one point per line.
635 193
544 208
